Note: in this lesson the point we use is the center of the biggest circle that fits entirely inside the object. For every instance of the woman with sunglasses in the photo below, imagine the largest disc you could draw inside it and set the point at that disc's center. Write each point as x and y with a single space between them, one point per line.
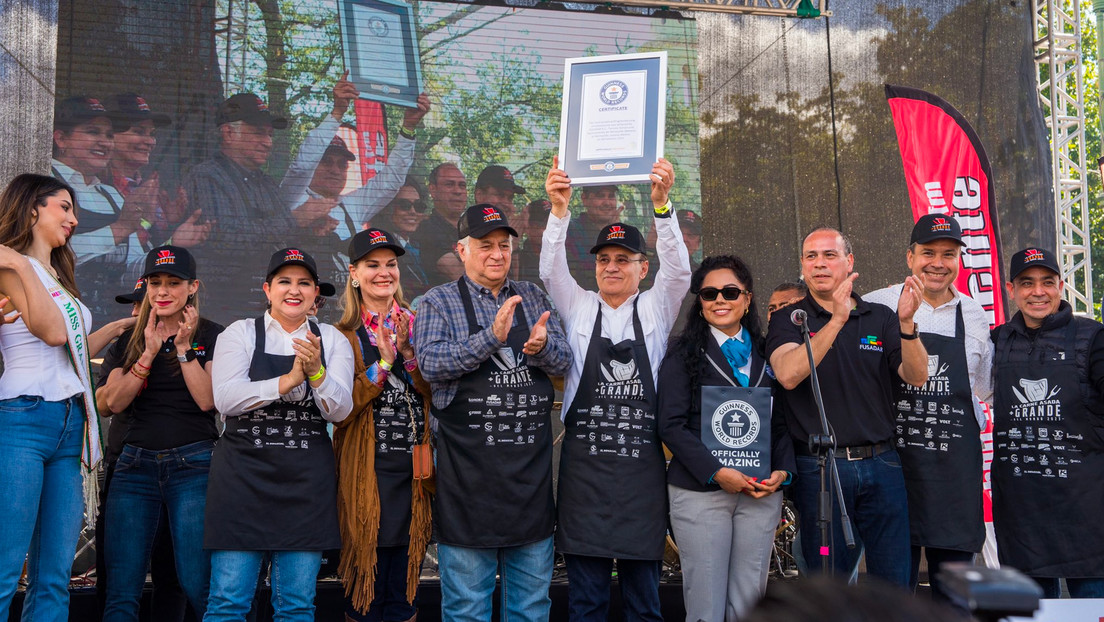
278 381
159 373
384 509
401 217
723 519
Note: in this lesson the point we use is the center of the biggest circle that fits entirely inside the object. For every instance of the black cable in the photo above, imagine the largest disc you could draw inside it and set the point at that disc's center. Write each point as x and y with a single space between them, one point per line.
832 106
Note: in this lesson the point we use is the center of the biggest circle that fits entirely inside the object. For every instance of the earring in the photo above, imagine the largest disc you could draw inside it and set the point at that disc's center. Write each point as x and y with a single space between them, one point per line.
746 311
355 283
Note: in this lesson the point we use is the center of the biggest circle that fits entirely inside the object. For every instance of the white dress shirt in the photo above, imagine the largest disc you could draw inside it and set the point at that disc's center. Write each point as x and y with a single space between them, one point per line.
941 321
362 203
96 196
236 394
658 307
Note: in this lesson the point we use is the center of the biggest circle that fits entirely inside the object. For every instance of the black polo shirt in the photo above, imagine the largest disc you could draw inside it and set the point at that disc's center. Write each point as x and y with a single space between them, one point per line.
856 375
164 415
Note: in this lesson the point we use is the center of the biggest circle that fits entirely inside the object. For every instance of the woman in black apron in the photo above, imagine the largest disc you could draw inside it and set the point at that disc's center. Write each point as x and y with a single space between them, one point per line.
384 510
723 518
278 380
159 373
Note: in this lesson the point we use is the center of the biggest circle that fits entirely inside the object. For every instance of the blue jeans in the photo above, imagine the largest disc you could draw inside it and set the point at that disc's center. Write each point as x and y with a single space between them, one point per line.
1078 588
389 603
874 491
588 588
234 577
468 581
144 484
40 483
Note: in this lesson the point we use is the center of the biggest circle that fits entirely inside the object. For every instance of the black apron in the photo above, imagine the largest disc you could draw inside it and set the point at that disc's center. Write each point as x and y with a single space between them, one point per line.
612 486
1047 461
494 449
273 483
398 415
939 442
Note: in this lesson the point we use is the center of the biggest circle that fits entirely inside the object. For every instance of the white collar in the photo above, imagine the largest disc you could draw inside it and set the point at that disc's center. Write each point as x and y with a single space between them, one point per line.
721 337
628 301
72 176
271 323
955 299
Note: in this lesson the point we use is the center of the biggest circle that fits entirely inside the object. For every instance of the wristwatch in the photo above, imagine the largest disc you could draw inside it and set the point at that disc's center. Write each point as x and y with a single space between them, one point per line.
189 355
914 334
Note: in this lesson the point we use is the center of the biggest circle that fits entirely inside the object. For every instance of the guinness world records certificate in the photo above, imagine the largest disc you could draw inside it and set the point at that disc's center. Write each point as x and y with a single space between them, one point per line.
613 118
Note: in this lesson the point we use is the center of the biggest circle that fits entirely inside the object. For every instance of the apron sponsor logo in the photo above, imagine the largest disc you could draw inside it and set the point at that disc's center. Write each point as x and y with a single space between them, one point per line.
512 371
1036 401
621 380
735 424
938 383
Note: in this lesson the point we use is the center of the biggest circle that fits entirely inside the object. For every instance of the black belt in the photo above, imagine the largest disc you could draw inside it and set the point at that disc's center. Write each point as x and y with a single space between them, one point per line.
855 452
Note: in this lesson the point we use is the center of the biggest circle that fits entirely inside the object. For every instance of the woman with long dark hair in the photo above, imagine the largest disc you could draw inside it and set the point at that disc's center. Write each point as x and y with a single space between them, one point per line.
160 373
48 419
278 381
384 509
722 516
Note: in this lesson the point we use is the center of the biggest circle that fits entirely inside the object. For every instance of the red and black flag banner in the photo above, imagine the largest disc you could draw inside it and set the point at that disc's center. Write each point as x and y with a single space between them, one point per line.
947 172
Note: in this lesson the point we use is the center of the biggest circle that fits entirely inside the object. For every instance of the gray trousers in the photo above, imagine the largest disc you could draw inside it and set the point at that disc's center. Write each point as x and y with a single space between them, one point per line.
724 542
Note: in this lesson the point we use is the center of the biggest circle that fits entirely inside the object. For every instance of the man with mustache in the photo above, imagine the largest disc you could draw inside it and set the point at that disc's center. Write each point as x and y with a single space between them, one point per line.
939 446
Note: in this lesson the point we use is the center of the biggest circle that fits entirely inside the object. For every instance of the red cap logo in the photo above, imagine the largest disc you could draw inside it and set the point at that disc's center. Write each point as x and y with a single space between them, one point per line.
261 105
940 224
294 255
1032 254
375 236
139 284
94 104
616 232
491 214
165 257
142 105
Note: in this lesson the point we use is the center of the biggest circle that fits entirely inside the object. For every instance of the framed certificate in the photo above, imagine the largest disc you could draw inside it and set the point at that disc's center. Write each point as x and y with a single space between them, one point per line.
614 118
381 50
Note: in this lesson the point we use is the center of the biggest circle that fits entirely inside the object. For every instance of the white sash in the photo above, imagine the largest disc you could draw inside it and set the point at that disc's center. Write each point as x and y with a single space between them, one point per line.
77 348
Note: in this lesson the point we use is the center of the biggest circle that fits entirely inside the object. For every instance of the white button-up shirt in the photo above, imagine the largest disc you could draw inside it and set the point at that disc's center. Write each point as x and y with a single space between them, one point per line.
658 307
236 394
96 196
941 321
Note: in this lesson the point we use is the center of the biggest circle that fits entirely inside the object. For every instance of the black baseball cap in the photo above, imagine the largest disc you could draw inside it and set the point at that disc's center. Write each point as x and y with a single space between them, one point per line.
496 176
619 234
479 220
369 240
135 296
1031 257
168 259
132 108
932 227
250 108
298 257
73 111
337 147
690 221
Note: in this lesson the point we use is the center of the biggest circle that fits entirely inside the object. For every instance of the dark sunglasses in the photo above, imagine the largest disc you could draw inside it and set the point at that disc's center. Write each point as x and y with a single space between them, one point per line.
417 206
730 292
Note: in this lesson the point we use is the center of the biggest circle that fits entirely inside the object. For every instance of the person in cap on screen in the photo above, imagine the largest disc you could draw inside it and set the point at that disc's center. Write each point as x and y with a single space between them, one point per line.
384 510
159 373
610 499
113 234
496 185
135 140
534 217
691 225
401 217
436 236
784 295
278 380
314 182
487 344
1048 396
601 206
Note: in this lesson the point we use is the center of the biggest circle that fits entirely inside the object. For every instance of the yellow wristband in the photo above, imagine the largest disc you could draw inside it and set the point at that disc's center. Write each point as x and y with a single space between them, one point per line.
385 366
318 376
663 209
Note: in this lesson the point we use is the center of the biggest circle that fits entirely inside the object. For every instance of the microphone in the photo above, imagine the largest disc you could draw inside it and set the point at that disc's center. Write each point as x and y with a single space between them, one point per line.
798 317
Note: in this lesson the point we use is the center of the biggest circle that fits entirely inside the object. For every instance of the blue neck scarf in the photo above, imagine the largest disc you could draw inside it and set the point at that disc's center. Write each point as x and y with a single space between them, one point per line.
737 353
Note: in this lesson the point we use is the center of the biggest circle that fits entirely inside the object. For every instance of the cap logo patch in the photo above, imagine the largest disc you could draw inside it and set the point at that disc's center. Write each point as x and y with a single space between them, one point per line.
377 237
294 255
138 285
1032 254
491 214
142 105
616 232
940 224
94 104
261 106
164 258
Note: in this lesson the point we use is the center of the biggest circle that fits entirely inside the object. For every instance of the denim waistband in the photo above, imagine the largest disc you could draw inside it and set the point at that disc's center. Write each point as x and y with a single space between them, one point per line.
171 453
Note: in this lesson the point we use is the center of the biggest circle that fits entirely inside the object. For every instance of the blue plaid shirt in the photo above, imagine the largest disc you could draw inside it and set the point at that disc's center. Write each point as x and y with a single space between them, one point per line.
446 351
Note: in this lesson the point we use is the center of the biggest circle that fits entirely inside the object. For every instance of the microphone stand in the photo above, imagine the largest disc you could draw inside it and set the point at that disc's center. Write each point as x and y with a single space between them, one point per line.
824 446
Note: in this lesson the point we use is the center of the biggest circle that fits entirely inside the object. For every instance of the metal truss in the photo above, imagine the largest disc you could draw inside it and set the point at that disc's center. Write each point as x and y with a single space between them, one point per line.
231 37
1057 32
777 8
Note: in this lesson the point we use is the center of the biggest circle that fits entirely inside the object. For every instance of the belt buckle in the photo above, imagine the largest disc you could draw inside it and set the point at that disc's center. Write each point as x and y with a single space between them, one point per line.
847 450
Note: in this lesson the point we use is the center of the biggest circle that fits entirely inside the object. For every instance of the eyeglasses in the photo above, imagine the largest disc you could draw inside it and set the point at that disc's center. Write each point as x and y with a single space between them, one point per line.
730 292
620 262
418 206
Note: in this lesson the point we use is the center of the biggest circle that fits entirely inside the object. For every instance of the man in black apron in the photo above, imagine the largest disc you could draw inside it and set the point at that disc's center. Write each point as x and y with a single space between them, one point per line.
612 501
487 345
857 348
1048 375
937 433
